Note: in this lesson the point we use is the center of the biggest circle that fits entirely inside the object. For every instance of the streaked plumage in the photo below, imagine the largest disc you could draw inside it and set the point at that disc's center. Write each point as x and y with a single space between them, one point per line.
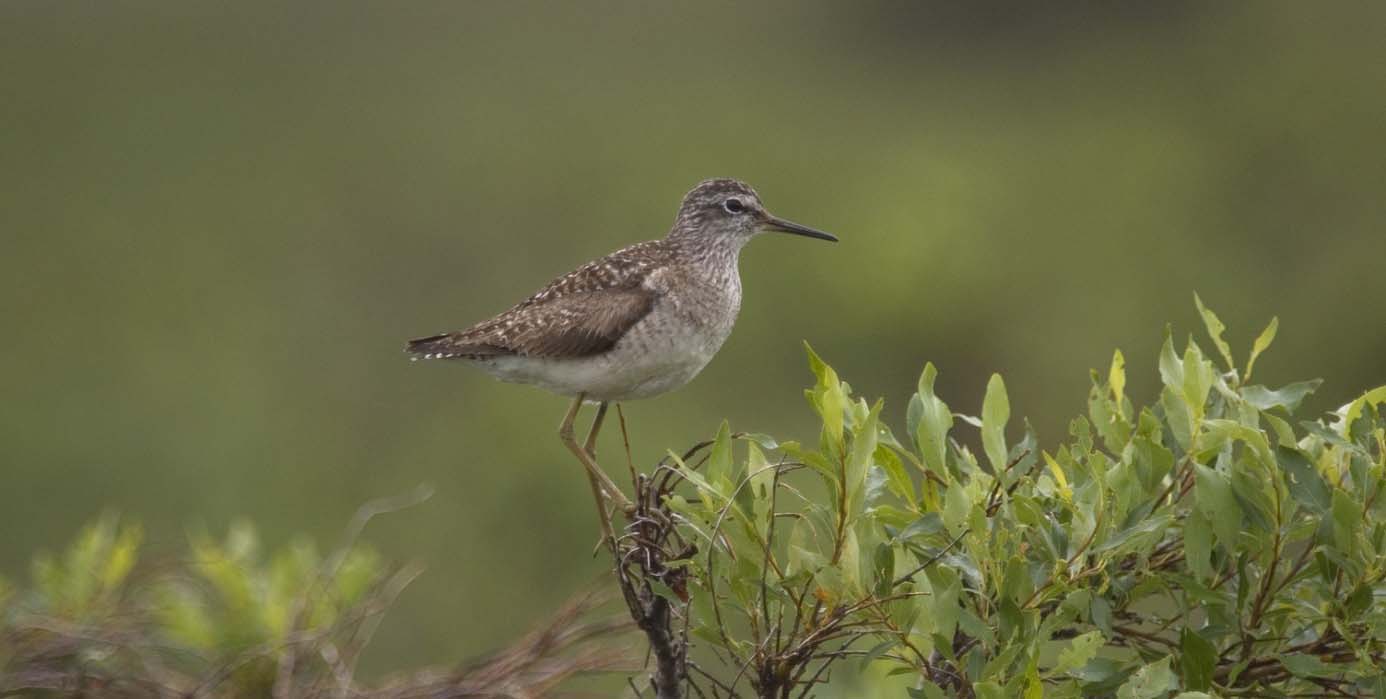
638 322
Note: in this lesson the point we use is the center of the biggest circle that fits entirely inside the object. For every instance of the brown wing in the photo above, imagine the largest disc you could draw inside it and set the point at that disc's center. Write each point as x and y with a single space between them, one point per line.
581 314
577 325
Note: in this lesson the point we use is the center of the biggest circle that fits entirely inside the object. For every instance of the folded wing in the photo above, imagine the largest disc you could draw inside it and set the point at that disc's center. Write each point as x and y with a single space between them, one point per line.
577 324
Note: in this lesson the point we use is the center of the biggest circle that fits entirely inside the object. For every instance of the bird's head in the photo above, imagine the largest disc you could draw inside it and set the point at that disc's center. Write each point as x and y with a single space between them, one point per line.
731 210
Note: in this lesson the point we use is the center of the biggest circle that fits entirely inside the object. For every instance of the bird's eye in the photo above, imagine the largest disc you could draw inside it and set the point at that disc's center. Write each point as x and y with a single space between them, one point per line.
733 206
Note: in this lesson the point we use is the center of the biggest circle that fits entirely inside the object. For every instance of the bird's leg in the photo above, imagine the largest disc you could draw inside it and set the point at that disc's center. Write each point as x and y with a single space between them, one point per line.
565 433
599 480
625 438
591 446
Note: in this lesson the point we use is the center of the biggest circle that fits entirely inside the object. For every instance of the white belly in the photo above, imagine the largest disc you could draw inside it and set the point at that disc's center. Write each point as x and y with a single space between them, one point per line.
662 352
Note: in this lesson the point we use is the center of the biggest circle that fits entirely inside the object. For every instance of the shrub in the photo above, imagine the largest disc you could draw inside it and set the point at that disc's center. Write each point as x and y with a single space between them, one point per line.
1207 544
231 622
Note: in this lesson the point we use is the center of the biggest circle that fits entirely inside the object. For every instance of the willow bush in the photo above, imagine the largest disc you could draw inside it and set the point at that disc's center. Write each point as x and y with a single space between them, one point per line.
229 620
1208 544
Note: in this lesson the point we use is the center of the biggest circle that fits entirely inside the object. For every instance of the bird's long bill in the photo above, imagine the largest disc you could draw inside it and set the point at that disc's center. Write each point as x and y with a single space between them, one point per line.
783 226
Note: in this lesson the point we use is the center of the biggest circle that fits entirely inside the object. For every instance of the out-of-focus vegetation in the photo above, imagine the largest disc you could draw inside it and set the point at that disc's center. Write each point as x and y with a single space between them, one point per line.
230 621
218 221
1208 544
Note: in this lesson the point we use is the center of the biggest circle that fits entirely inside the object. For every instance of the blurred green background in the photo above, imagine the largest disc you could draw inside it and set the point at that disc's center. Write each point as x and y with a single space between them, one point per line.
220 222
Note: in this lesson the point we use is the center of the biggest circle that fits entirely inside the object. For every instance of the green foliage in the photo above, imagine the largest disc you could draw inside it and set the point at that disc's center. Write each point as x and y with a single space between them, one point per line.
230 601
87 582
1207 543
235 599
230 620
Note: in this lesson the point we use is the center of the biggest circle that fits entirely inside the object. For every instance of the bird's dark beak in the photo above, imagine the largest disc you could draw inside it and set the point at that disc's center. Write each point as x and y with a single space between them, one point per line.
778 224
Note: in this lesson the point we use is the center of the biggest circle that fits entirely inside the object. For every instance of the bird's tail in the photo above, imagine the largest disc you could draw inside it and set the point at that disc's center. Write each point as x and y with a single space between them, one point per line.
450 346
425 347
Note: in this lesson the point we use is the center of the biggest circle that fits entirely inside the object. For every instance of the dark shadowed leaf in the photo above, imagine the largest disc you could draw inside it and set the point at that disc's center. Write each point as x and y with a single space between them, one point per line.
1306 484
1287 397
1197 659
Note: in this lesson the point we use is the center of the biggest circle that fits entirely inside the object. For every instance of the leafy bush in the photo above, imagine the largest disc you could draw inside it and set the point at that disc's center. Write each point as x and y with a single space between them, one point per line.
231 622
1207 544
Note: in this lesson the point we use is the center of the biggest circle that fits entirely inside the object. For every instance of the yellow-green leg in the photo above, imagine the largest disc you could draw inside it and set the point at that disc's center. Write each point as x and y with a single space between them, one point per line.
604 489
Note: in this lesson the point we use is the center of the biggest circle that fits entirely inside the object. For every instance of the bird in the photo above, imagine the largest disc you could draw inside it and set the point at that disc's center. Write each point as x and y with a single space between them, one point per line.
639 322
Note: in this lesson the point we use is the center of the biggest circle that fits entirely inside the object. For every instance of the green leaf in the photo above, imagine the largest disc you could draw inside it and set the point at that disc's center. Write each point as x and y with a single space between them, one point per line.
935 421
664 591
989 690
1288 397
1197 660
1144 533
929 691
1263 341
1181 421
863 447
719 462
1218 504
1015 581
1215 330
1171 367
898 480
1302 665
801 557
1152 461
1198 380
883 569
1149 682
1100 613
1353 410
876 652
1359 600
1222 431
1284 434
1034 686
996 411
1347 520
827 396
1116 377
957 508
1079 652
973 626
1253 492
765 441
1198 544
754 497
849 563
1306 484
942 606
